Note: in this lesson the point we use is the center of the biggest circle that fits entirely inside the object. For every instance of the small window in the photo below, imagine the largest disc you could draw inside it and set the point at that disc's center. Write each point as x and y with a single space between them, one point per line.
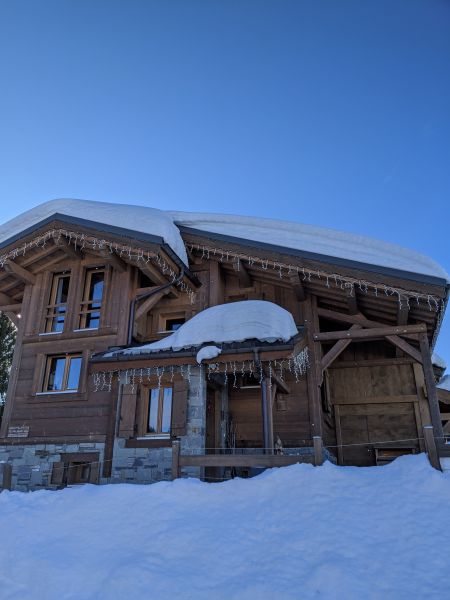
174 324
62 373
92 299
159 410
57 306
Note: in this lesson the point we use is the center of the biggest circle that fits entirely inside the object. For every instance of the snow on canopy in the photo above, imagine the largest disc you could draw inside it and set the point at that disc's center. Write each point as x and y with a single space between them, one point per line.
310 238
233 322
296 532
137 218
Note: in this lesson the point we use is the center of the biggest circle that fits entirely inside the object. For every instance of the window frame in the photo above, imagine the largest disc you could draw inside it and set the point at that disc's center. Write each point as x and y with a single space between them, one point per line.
51 307
84 310
68 357
160 414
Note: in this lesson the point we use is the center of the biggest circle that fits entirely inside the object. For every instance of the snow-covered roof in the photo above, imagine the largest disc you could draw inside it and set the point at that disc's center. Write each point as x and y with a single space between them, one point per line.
225 323
309 238
444 383
438 361
286 234
136 218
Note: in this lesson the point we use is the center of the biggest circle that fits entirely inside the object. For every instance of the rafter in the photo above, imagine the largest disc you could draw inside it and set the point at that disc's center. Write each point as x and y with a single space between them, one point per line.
150 302
20 272
368 334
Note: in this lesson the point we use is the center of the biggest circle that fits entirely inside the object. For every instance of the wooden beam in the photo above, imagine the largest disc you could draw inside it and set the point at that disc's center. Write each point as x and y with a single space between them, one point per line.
149 303
336 350
339 317
297 284
314 373
430 385
11 307
367 334
243 275
403 345
20 272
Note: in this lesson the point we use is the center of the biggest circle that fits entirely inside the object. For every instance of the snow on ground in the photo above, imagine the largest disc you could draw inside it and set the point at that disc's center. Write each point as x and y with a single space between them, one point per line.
233 322
300 532
138 218
310 238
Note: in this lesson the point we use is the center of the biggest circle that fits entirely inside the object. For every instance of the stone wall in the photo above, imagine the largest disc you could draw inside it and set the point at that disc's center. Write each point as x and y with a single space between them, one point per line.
32 463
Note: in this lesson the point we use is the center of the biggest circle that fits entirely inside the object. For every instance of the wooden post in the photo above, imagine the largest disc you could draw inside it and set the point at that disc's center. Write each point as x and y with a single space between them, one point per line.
318 450
267 415
314 373
7 476
430 385
430 445
175 459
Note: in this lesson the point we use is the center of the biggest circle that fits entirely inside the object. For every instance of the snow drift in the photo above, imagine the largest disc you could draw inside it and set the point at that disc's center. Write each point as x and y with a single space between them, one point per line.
233 322
298 532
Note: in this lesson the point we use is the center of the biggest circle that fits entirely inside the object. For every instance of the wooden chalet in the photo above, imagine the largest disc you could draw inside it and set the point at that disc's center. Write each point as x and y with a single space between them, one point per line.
90 286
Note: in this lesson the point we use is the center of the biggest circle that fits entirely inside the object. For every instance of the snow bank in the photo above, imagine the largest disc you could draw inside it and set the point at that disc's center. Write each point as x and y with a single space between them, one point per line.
310 238
137 218
208 352
331 532
233 322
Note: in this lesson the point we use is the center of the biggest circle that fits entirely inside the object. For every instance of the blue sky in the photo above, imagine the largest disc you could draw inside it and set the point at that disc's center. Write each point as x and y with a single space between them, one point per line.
325 112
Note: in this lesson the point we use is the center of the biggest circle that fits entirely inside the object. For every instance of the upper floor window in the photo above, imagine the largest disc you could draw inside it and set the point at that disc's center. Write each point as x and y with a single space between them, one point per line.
57 306
91 304
62 373
174 324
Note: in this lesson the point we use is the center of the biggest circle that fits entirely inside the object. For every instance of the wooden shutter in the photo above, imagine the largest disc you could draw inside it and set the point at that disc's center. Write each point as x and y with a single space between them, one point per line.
58 473
128 411
179 407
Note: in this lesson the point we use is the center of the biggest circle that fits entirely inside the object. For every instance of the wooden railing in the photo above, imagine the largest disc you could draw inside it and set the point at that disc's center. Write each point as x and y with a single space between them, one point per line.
264 461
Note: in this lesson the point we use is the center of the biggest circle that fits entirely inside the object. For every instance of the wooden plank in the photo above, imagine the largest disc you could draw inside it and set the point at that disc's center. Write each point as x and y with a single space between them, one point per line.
336 350
430 385
372 399
367 334
11 308
298 286
352 301
20 272
241 460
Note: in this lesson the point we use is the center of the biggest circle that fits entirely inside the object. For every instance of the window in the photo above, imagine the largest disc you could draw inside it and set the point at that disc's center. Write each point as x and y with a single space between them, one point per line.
159 410
174 324
92 298
57 306
62 373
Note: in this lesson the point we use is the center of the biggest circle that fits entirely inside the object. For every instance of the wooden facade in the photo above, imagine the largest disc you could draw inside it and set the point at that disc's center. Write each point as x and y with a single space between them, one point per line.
368 392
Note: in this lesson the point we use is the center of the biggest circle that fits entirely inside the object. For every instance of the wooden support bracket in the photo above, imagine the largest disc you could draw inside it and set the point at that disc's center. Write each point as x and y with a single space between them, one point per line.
15 269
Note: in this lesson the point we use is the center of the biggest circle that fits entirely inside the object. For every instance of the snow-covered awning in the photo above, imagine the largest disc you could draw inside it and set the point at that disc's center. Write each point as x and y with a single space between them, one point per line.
225 323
